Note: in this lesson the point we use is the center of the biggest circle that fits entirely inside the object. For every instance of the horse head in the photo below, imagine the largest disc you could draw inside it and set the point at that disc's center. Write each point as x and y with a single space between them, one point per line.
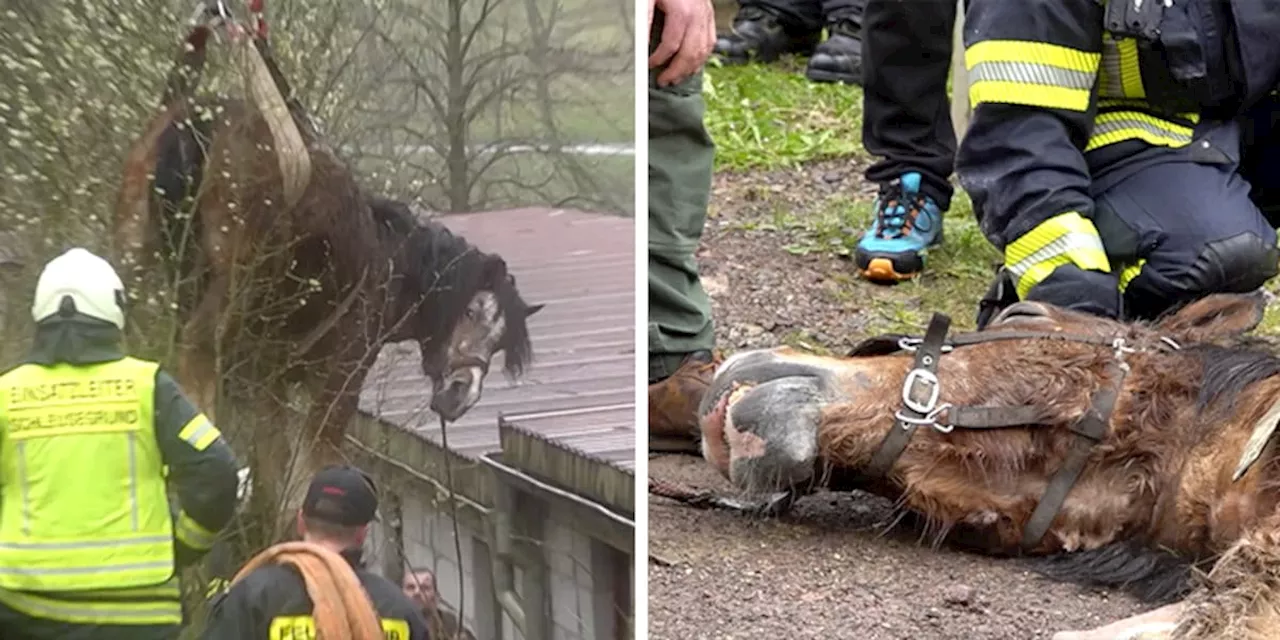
461 306
492 321
775 419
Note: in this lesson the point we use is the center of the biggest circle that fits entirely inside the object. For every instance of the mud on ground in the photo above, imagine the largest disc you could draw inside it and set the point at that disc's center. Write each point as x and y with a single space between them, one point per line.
828 570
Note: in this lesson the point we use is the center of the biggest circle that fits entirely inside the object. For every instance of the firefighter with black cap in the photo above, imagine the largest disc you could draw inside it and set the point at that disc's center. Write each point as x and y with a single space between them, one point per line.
89 547
1123 155
273 599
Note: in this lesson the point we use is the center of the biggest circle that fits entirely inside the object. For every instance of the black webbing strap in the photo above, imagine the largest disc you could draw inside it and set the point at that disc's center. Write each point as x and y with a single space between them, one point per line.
921 389
1090 430
994 417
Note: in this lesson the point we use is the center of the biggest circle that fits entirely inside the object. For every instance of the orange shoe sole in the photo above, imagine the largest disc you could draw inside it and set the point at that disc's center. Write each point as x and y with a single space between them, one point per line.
881 270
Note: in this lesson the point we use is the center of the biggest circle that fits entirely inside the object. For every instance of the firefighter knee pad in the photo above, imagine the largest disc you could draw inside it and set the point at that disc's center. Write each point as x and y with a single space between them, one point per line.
1238 264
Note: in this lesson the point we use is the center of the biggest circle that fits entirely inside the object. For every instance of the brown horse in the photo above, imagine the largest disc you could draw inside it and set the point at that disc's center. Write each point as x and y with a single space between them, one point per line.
278 295
1126 452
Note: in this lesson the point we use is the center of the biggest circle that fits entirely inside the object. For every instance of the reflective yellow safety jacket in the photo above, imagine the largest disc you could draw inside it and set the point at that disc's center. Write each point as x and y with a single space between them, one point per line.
84 502
83 499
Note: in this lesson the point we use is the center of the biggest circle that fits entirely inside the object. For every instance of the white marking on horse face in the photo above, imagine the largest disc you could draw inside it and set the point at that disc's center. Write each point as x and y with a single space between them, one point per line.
481 327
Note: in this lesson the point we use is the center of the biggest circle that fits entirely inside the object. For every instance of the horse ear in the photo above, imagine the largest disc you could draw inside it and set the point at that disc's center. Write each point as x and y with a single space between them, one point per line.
495 271
1213 317
532 309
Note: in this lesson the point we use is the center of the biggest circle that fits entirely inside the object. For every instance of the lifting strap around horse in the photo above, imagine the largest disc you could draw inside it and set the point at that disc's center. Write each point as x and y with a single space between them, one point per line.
920 395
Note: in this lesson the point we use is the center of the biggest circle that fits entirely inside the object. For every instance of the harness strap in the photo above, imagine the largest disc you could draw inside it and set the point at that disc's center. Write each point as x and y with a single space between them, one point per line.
919 395
1091 429
993 417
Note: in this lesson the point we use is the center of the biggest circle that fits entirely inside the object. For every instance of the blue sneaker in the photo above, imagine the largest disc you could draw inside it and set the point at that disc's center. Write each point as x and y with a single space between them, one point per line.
906 225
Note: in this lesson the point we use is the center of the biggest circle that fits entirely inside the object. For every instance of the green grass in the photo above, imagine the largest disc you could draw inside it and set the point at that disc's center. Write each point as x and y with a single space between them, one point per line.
772 117
769 117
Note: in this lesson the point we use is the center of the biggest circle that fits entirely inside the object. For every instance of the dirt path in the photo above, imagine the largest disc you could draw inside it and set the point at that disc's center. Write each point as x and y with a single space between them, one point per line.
826 570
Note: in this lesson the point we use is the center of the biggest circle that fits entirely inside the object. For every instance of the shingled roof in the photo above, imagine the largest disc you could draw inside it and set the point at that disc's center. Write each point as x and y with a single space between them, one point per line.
578 398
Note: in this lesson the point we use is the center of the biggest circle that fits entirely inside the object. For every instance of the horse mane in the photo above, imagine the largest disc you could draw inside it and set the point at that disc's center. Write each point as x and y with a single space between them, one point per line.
1152 575
447 272
1227 370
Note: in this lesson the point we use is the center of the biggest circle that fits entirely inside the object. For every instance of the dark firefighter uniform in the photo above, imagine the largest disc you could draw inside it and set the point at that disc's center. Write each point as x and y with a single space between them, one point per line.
272 603
1116 149
89 547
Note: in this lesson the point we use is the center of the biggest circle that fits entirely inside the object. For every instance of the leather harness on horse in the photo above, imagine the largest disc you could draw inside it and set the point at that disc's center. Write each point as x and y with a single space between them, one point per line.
920 394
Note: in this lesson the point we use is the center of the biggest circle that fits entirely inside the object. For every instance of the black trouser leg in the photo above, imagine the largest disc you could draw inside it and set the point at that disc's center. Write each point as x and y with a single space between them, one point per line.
848 10
906 53
798 16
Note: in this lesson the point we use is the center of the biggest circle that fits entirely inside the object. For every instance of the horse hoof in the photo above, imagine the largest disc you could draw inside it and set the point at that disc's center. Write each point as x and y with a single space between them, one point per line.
760 421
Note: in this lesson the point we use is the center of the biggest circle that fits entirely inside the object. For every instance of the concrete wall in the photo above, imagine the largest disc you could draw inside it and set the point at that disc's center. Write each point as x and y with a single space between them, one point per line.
428 539
583 574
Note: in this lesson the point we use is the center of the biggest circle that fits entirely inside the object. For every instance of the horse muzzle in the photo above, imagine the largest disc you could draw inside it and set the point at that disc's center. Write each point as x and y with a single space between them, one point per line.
460 390
760 420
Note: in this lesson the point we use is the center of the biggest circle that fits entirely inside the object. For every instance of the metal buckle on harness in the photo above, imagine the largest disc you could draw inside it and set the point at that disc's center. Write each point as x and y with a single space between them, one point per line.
909 345
920 376
930 419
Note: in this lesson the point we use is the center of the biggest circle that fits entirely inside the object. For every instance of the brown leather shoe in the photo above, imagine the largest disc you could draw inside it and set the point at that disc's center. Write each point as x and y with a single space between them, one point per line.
673 405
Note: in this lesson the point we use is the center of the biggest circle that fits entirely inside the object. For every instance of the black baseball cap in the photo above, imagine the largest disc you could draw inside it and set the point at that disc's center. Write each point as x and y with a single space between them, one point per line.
342 495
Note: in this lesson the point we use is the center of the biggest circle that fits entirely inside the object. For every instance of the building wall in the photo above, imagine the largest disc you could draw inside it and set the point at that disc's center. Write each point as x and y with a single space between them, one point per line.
582 573
429 544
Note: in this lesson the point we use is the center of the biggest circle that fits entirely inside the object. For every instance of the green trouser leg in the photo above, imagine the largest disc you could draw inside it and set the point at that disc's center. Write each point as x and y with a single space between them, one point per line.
681 157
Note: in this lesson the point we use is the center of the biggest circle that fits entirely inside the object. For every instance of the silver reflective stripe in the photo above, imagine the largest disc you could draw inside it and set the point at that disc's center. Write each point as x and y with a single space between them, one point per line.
62 571
200 432
64 610
96 544
133 480
22 480
1112 126
1061 245
1031 73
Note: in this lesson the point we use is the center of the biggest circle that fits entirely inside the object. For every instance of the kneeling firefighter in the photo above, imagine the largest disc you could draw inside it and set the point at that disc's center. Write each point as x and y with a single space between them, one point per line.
1122 155
88 545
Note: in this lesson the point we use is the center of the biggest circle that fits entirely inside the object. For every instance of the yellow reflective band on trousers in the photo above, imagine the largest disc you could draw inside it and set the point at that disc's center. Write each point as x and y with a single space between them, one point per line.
158 605
304 628
1116 123
1130 272
1068 238
1034 74
1119 75
82 496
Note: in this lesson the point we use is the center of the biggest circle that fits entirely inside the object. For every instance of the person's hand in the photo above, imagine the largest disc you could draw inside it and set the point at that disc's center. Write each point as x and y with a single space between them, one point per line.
688 36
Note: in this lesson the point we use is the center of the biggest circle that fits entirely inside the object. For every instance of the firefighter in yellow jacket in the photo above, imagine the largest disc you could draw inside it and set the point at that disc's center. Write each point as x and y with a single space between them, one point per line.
89 547
1124 155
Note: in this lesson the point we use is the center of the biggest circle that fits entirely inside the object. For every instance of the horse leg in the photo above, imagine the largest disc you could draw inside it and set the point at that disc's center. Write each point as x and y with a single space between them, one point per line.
281 473
338 399
133 235
198 372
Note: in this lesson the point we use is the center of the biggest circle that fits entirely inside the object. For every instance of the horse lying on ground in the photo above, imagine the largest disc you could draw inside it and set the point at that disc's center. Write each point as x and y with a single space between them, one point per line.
308 293
1129 453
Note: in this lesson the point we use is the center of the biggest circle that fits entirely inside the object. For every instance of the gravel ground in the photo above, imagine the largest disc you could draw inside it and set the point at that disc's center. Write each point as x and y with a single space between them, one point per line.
829 569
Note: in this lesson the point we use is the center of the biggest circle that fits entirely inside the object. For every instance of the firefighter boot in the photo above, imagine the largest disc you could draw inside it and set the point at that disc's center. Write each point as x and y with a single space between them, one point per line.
758 35
839 58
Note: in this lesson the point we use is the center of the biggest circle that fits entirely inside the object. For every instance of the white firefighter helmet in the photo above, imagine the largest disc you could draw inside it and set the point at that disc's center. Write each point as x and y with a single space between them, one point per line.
90 282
